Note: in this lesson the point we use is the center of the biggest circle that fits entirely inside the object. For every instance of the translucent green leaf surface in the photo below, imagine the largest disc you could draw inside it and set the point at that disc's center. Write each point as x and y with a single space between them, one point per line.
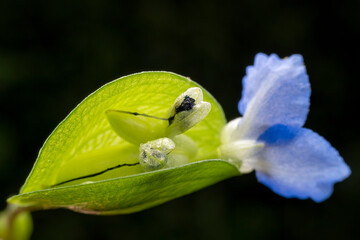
133 193
85 143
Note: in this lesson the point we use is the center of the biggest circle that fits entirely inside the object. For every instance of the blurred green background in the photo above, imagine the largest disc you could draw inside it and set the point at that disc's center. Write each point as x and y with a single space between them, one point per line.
55 53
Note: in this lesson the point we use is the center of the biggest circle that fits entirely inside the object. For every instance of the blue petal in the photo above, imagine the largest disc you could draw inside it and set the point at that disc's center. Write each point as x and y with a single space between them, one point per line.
297 162
275 91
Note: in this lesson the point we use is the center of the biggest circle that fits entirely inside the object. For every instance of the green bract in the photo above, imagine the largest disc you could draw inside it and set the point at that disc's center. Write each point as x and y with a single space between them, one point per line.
85 143
133 193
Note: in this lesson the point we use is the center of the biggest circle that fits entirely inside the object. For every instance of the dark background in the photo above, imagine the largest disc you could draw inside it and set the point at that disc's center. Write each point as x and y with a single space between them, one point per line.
54 53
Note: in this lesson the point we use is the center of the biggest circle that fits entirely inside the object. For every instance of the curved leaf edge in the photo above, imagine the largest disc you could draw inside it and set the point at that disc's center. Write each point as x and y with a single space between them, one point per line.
93 93
18 199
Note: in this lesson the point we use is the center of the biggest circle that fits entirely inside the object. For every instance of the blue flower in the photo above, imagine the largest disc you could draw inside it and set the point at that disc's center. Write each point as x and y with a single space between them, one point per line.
293 161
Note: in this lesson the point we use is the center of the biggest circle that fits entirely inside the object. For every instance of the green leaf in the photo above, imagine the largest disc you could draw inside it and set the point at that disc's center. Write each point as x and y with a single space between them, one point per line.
85 144
132 193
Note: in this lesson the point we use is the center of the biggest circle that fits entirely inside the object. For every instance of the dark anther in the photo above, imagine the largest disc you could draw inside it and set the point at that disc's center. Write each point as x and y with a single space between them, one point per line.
171 119
186 105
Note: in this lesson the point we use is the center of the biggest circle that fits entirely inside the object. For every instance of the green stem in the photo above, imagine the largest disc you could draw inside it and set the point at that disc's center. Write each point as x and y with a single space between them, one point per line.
10 214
